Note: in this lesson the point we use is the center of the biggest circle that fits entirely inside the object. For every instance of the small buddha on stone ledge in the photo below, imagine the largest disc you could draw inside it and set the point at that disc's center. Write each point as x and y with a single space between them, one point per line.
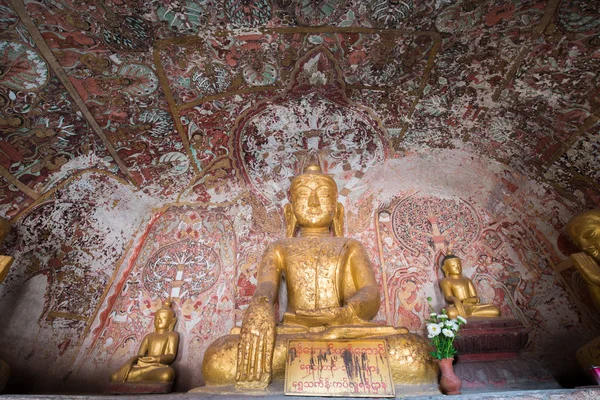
460 293
149 370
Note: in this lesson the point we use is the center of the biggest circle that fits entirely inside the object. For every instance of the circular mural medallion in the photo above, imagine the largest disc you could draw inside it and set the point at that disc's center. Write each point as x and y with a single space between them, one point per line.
456 220
190 265
212 80
184 15
273 142
320 12
263 75
158 122
388 13
21 68
250 13
143 80
579 15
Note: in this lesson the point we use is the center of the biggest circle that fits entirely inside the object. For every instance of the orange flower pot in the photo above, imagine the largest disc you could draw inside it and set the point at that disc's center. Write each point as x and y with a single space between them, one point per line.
449 382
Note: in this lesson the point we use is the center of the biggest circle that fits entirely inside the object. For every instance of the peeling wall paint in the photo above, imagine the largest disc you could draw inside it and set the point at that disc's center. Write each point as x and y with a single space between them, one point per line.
478 117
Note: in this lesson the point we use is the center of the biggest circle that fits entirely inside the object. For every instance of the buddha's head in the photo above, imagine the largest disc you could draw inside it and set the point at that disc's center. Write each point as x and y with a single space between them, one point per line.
584 230
164 318
314 202
451 264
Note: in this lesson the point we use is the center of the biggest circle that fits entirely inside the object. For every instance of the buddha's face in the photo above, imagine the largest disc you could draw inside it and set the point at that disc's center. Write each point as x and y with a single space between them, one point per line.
314 199
584 229
453 266
163 319
589 239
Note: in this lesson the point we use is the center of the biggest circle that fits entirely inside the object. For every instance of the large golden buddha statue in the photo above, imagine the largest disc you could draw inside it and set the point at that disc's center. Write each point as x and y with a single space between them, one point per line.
584 230
331 294
157 350
460 293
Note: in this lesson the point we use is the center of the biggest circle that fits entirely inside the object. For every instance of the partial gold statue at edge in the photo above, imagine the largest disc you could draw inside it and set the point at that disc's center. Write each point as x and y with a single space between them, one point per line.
460 293
584 231
331 294
157 351
5 261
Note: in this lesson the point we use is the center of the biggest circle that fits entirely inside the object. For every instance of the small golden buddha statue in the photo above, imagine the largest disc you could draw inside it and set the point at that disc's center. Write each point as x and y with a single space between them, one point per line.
331 294
584 230
157 351
459 291
5 261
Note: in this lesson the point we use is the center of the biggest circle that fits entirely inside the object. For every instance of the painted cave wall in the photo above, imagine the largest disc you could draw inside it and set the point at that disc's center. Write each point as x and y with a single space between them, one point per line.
147 150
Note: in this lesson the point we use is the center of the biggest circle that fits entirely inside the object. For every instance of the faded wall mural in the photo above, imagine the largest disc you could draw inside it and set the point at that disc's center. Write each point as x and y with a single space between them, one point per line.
147 147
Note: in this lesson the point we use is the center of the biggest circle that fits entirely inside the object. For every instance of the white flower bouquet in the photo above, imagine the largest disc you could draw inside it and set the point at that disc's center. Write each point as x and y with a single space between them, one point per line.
442 331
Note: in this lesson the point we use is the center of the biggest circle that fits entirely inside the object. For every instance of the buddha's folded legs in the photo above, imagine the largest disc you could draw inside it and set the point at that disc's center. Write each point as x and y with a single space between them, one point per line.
409 357
162 373
158 373
486 310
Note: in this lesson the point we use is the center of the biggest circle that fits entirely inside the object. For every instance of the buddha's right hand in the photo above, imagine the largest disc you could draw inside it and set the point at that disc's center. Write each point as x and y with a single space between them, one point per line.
255 348
124 370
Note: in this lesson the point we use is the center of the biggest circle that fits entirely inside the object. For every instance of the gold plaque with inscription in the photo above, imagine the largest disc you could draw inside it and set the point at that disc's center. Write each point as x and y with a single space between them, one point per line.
356 368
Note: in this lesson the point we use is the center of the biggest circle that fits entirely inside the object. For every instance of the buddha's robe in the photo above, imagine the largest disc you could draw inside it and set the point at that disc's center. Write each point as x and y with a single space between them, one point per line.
320 273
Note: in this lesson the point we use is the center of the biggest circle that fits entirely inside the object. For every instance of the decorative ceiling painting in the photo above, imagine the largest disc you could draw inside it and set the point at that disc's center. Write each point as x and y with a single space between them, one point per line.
156 85
147 148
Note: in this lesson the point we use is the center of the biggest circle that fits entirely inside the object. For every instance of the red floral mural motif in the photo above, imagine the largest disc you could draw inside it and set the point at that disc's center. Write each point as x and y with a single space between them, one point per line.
189 254
459 17
127 33
139 79
41 130
579 15
184 269
21 68
317 12
455 219
397 62
272 139
184 15
250 13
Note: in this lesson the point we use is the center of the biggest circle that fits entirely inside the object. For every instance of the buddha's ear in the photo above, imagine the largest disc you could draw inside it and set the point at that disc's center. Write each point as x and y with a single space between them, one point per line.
172 325
338 221
290 220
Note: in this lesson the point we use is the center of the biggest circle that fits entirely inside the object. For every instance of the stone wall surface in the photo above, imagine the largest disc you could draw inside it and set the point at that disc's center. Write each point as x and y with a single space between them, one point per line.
147 147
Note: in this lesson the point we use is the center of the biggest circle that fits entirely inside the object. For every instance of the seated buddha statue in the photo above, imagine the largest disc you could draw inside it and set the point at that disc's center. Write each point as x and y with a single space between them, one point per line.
331 294
157 350
584 230
460 293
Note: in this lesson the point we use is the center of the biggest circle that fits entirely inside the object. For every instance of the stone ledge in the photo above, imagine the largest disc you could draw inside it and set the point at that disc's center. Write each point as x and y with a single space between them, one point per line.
139 388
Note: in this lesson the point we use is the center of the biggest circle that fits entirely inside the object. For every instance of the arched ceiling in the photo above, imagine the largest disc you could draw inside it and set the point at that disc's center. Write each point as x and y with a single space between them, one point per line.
155 91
